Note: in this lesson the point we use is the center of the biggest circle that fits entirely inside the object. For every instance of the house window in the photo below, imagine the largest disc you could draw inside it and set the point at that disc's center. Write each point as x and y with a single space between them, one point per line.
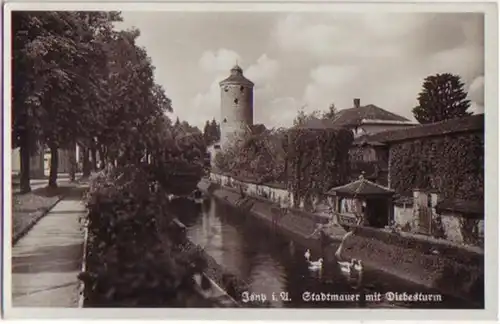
225 120
242 88
236 100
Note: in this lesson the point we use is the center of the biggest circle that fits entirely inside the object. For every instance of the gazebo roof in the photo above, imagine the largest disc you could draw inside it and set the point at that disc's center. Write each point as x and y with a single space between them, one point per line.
361 187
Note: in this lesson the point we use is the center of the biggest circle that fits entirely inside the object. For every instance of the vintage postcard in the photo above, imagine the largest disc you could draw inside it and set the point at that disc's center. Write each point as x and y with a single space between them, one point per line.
237 160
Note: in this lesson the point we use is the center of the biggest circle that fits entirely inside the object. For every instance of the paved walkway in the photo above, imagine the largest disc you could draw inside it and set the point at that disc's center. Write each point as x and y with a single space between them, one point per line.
47 260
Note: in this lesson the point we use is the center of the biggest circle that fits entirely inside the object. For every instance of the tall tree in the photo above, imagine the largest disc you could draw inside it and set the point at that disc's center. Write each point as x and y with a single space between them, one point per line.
206 133
215 131
442 97
331 113
26 90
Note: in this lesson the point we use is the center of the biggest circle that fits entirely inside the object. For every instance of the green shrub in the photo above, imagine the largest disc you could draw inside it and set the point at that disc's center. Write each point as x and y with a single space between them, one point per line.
134 258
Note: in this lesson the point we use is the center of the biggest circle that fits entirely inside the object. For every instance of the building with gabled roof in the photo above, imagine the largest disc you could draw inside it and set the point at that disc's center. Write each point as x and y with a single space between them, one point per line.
417 206
369 119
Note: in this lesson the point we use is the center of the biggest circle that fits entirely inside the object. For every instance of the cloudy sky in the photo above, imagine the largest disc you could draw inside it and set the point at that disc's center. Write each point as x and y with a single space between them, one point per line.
309 59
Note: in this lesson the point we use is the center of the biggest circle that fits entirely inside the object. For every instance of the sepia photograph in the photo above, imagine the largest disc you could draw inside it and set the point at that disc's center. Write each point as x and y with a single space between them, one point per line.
249 157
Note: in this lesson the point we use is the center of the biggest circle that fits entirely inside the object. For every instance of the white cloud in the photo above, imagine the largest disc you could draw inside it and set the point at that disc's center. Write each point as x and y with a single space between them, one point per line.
280 112
476 95
262 71
476 91
310 58
381 58
221 60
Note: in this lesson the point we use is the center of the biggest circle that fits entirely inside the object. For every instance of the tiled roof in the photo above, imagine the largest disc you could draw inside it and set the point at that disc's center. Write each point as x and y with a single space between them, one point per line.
361 187
473 207
236 77
354 116
403 200
457 125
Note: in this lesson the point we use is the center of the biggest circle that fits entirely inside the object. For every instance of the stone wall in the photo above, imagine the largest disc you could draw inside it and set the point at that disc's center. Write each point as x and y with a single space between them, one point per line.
276 193
405 215
406 218
452 270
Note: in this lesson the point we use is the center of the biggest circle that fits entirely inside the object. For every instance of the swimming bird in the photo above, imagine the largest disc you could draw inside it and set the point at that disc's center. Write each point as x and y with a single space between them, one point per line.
358 265
316 265
346 266
352 267
307 255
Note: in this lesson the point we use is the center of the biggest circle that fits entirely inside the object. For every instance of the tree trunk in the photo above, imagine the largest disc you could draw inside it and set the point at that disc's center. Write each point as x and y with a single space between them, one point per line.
72 163
85 162
54 165
24 153
102 156
93 152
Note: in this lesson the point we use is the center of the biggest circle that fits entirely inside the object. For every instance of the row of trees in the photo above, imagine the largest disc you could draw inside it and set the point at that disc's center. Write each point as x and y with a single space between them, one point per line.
77 80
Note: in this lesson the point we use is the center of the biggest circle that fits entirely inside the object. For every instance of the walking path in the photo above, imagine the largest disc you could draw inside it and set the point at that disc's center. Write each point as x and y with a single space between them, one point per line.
47 260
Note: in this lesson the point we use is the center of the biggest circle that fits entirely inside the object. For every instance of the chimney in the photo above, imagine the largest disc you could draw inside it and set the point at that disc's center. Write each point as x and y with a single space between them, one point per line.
357 102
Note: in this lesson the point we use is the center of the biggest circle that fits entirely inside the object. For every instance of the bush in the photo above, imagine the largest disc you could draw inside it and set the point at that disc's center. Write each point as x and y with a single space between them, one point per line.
260 157
134 258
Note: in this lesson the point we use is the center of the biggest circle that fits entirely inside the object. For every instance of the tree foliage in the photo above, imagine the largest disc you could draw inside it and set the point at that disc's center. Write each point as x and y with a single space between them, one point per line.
137 257
453 166
260 157
303 117
317 160
78 80
442 97
211 132
331 114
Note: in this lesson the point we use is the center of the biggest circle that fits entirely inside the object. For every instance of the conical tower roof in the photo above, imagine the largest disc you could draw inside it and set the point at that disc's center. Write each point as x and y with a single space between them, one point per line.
236 77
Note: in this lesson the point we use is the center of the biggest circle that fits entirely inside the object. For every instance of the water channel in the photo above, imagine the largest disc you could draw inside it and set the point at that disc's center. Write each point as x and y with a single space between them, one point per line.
271 264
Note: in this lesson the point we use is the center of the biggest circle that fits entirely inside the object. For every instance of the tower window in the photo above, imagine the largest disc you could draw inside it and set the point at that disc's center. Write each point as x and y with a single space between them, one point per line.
236 100
225 120
242 88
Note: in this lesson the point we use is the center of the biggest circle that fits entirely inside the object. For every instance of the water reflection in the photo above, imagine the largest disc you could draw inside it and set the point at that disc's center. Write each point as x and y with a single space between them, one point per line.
274 266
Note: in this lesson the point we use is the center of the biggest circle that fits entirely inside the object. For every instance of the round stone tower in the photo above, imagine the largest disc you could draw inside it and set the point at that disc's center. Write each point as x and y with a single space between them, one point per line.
236 105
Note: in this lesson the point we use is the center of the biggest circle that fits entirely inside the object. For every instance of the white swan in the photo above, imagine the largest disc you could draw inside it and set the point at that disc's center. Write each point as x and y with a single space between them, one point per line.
316 265
352 267
346 266
358 266
307 255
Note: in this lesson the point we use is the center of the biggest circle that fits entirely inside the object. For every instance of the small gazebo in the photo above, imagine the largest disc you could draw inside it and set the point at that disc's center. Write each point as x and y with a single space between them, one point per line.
363 198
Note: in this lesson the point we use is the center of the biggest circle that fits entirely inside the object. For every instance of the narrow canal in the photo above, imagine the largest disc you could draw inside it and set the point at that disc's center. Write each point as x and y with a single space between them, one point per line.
273 266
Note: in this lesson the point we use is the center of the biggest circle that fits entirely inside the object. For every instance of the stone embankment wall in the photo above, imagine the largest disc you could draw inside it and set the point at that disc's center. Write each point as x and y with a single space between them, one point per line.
450 269
454 271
